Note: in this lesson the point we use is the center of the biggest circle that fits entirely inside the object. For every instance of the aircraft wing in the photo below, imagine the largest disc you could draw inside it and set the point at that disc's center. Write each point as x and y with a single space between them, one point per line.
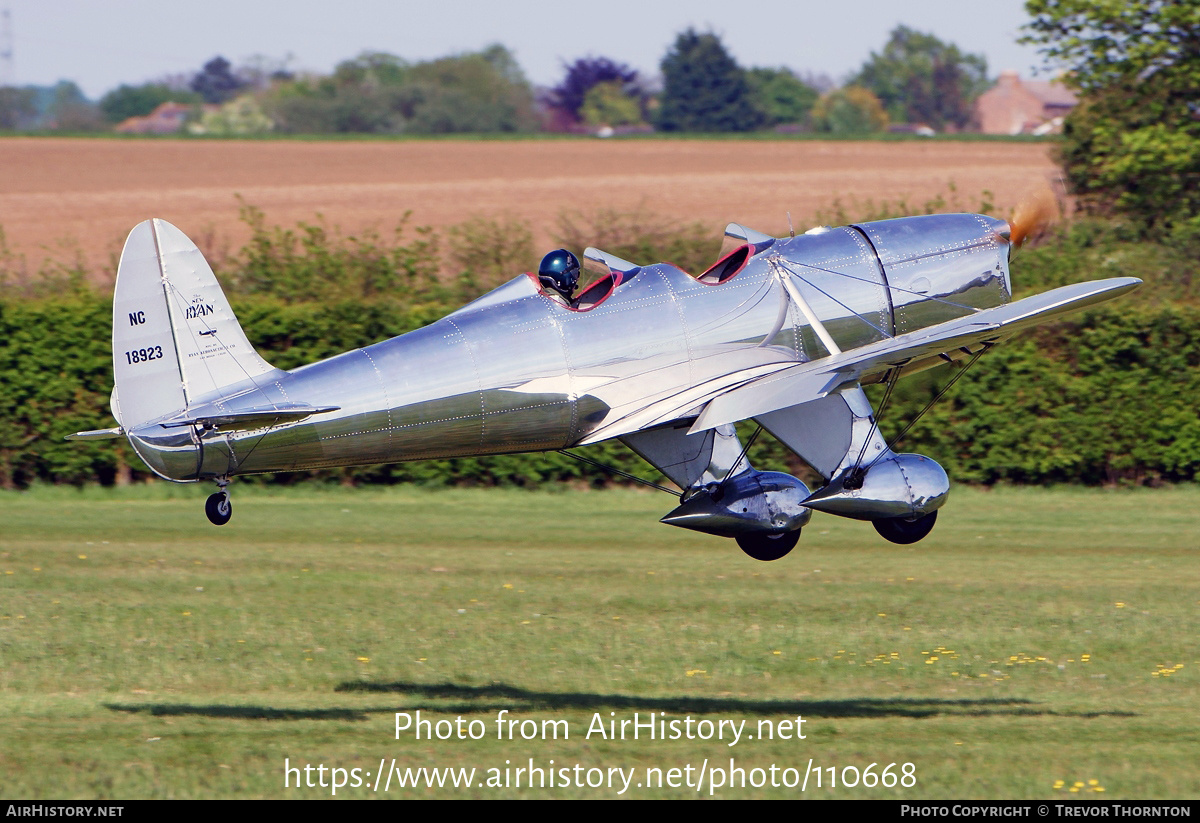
809 381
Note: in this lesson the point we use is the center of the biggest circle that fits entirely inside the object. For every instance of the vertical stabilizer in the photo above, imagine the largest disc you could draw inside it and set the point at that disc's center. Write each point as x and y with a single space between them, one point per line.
175 339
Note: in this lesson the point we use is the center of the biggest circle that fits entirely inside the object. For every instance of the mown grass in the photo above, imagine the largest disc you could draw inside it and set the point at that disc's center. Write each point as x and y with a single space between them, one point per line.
1036 637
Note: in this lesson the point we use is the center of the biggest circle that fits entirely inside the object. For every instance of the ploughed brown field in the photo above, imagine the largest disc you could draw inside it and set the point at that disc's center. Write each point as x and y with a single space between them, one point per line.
57 195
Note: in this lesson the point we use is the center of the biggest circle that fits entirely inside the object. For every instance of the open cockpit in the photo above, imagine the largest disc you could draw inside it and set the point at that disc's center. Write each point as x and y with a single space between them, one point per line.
741 244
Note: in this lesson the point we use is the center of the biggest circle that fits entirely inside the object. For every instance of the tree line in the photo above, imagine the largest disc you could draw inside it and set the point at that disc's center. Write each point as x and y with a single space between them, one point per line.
915 78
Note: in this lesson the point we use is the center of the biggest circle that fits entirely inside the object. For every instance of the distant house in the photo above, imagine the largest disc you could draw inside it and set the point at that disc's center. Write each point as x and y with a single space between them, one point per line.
167 118
1016 106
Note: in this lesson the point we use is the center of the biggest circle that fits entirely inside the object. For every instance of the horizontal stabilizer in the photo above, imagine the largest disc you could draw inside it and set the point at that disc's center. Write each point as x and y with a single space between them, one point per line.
97 434
250 418
810 381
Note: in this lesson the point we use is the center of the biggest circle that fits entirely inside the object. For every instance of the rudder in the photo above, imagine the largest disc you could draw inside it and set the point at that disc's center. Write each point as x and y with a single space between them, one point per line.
175 339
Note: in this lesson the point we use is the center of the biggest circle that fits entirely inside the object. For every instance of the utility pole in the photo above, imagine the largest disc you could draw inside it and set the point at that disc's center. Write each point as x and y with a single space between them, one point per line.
7 76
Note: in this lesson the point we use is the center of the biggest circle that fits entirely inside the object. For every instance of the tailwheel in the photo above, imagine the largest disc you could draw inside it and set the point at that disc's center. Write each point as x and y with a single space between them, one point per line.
768 546
218 508
904 532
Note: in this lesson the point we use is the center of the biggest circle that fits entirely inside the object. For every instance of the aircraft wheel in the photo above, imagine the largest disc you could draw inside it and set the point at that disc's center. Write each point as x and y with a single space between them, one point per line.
218 508
899 530
768 546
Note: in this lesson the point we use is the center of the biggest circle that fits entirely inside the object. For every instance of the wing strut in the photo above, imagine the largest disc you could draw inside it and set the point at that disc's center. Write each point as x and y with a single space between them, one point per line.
892 376
817 326
982 348
618 472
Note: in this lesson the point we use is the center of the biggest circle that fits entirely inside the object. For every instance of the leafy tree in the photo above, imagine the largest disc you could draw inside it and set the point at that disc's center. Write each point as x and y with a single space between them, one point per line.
781 95
68 109
849 110
704 89
585 74
240 116
482 92
375 68
18 107
216 82
1132 146
127 101
920 79
607 104
381 93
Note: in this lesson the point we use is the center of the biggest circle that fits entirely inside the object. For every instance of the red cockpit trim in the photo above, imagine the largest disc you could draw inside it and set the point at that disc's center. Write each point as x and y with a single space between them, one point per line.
728 266
589 298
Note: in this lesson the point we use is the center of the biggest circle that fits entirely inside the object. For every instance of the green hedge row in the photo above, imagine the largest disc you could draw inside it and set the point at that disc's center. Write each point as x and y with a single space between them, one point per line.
1110 396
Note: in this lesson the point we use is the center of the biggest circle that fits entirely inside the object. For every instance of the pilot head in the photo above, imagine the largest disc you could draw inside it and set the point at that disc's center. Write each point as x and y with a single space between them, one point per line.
559 271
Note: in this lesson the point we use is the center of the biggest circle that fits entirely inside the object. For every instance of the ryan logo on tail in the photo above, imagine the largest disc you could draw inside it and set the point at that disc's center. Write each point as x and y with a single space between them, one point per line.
781 331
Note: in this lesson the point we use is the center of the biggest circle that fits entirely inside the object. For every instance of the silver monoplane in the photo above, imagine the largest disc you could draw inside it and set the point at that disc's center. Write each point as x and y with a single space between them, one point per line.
781 331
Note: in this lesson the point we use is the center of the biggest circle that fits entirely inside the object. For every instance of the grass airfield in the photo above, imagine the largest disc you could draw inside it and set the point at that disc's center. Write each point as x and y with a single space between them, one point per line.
1039 644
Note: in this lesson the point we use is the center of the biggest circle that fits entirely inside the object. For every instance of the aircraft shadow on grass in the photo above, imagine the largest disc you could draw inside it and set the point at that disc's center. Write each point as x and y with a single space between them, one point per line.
516 698
241 712
490 698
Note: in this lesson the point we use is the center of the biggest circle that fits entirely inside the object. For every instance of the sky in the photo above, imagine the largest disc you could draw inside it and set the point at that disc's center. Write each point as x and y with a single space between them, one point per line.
101 44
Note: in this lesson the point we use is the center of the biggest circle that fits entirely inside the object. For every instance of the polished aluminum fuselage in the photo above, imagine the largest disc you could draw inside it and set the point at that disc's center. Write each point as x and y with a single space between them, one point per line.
517 371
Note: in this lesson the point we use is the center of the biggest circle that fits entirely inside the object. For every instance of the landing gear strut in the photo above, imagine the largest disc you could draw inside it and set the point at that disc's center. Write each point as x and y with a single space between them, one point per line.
768 546
218 507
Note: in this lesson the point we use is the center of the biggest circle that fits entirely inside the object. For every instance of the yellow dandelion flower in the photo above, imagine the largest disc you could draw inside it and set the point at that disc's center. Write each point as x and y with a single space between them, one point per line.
364 660
508 585
1058 784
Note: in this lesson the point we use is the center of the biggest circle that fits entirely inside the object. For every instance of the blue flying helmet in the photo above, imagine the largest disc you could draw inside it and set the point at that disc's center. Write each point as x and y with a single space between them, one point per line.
559 271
